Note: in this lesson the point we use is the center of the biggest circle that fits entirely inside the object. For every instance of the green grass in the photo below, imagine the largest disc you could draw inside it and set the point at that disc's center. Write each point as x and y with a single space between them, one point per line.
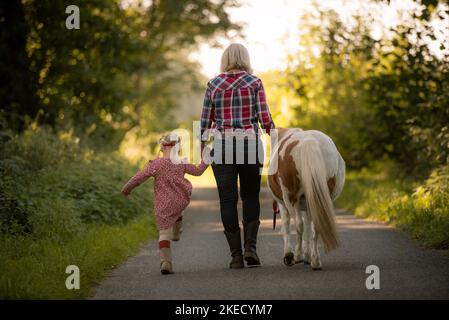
36 269
60 205
419 207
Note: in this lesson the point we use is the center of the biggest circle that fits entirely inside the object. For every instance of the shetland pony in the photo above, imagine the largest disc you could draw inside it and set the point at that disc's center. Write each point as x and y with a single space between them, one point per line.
306 173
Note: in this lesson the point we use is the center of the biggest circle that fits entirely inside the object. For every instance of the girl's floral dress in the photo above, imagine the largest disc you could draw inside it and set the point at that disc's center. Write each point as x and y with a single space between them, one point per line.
172 191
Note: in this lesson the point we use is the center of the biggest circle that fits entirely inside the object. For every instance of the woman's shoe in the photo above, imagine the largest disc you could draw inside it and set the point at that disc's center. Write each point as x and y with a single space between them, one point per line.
235 245
177 230
250 230
166 264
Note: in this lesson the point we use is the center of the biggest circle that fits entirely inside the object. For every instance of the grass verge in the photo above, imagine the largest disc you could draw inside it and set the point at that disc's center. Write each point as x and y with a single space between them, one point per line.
419 207
39 273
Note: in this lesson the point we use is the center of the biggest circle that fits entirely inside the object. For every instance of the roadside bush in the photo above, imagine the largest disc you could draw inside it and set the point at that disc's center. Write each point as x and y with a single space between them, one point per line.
50 183
420 208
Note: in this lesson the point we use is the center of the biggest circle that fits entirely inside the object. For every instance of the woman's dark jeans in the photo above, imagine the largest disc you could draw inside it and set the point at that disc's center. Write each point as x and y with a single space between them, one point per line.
227 176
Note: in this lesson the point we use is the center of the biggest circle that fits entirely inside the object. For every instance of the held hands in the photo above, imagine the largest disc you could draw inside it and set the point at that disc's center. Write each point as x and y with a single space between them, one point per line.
206 155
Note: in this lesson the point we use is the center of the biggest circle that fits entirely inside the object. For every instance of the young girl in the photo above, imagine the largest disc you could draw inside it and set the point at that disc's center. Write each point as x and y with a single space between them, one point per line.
171 193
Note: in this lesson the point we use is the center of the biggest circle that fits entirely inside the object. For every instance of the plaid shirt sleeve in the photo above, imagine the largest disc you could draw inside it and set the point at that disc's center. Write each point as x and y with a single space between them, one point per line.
263 112
207 115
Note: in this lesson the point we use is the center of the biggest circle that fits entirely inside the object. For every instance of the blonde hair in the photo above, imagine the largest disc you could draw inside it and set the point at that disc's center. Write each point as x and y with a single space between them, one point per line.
169 139
235 56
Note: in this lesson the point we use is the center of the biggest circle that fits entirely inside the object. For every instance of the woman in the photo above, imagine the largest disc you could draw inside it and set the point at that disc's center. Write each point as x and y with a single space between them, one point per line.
234 104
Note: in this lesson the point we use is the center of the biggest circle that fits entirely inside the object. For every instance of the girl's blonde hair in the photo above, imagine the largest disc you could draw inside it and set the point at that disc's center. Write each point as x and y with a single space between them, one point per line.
235 56
169 139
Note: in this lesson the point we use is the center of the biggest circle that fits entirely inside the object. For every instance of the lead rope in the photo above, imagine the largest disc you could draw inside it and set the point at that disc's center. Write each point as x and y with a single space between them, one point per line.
275 212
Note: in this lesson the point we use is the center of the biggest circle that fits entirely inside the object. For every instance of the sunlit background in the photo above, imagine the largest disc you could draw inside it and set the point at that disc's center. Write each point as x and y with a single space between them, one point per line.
279 36
272 29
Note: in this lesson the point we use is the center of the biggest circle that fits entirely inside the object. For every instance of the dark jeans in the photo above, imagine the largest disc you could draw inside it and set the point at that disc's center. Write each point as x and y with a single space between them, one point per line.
227 176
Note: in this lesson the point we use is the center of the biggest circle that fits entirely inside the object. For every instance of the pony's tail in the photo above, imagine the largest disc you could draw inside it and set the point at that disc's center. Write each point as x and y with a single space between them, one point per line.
319 202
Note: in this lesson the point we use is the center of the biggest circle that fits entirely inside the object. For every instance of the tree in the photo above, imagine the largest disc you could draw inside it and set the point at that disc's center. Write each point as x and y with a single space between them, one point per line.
117 68
18 85
377 98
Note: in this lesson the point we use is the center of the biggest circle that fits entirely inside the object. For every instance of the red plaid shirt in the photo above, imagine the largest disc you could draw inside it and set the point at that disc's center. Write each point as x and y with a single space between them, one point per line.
235 100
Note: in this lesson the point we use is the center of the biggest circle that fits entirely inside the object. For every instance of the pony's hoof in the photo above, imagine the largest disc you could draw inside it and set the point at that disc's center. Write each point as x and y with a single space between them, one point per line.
317 269
297 261
288 259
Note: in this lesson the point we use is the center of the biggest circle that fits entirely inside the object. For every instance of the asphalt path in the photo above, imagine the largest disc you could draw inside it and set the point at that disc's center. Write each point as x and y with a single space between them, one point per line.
201 260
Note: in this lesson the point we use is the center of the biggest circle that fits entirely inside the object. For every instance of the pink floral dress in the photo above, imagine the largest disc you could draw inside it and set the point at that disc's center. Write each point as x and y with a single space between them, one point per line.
172 191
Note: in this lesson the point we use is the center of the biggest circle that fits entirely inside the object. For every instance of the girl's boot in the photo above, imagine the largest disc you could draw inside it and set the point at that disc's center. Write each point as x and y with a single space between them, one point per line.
177 230
165 256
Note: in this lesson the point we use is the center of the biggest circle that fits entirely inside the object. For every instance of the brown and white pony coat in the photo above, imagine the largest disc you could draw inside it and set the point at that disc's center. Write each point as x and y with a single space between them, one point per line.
310 175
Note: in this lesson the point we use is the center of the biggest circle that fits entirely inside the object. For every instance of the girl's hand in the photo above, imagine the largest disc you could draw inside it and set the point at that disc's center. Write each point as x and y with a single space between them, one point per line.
184 160
125 193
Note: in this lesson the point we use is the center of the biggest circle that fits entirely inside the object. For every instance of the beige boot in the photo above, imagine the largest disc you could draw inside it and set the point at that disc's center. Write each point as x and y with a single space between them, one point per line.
166 264
177 230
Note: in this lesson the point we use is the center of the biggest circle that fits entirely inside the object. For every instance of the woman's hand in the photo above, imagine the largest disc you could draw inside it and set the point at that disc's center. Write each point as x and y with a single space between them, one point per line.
206 156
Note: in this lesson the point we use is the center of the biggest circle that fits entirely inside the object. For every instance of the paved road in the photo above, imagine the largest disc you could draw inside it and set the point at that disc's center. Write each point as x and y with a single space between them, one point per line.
201 264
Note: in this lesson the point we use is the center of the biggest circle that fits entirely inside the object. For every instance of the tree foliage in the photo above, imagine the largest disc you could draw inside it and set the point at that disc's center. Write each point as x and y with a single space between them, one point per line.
377 97
118 70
